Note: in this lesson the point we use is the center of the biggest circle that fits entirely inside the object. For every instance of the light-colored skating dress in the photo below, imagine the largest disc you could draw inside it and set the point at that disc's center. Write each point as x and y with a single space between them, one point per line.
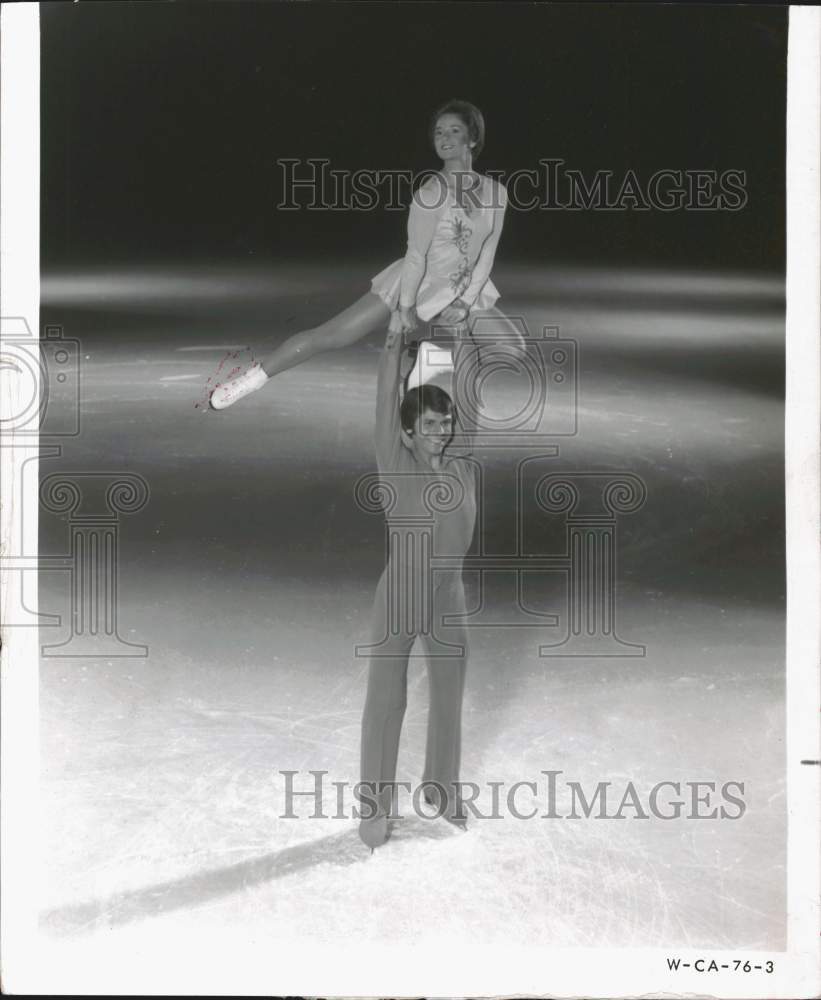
450 251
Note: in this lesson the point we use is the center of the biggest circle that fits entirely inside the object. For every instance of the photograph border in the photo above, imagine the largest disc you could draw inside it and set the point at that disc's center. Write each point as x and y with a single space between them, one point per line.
229 965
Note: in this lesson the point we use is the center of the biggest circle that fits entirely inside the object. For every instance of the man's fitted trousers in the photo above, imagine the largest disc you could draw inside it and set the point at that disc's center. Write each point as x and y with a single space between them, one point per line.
445 648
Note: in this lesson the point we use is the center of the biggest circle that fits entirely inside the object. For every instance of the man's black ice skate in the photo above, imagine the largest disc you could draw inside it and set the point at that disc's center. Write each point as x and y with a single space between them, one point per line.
456 817
375 831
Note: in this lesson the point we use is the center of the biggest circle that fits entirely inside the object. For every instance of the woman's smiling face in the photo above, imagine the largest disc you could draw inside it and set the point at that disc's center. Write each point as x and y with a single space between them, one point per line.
451 139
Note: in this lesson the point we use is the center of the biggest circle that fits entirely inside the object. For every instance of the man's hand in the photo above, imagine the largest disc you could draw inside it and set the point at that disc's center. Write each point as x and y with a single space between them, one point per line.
395 336
408 318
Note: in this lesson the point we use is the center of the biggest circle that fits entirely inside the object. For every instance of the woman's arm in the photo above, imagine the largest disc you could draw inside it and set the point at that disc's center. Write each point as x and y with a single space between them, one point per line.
484 263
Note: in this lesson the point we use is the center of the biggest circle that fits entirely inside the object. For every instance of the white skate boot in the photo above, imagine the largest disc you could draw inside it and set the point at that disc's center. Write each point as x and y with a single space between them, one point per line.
229 392
432 362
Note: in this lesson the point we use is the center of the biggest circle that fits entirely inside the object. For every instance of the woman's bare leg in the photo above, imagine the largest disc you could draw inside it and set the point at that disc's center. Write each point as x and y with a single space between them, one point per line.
492 326
365 316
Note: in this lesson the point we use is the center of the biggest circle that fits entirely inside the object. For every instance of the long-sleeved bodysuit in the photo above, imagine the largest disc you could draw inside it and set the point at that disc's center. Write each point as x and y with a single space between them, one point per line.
430 514
450 252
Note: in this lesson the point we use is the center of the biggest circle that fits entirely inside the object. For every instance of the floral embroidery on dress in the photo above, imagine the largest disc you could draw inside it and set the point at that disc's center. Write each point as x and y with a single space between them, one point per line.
459 280
460 238
461 235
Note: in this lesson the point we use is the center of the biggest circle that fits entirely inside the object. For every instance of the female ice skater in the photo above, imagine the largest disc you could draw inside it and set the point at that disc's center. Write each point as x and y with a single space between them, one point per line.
430 502
454 226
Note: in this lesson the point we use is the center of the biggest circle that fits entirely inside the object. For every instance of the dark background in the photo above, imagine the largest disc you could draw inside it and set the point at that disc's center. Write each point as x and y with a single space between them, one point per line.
162 122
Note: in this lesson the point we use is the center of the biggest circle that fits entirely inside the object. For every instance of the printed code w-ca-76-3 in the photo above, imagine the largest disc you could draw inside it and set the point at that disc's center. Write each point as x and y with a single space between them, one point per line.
713 965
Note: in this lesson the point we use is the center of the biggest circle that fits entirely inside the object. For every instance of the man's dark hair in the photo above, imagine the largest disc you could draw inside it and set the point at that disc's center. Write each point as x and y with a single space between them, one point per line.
472 119
423 397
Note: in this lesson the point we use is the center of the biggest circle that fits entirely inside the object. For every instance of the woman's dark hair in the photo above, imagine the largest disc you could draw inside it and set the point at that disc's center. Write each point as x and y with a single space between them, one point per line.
472 118
423 397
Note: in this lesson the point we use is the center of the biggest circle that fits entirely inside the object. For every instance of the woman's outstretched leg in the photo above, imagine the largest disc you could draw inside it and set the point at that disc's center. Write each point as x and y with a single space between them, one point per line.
497 331
368 314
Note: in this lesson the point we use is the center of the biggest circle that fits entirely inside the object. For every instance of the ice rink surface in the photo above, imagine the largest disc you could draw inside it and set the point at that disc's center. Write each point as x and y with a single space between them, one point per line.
250 574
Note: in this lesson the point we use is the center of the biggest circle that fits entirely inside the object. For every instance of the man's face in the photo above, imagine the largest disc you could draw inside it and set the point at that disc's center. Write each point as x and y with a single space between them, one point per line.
432 431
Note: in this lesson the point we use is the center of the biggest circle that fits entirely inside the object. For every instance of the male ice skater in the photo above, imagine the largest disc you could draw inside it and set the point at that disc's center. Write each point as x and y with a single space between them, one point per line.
429 497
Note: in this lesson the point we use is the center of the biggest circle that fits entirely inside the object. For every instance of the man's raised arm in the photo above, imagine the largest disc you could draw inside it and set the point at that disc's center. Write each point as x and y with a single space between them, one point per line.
388 430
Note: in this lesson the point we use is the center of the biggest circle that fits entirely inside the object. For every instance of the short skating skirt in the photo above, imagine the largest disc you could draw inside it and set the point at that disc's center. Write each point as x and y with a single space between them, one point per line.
432 297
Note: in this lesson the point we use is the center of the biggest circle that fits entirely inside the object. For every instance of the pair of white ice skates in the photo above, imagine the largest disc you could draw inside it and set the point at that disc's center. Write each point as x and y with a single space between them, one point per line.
429 362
